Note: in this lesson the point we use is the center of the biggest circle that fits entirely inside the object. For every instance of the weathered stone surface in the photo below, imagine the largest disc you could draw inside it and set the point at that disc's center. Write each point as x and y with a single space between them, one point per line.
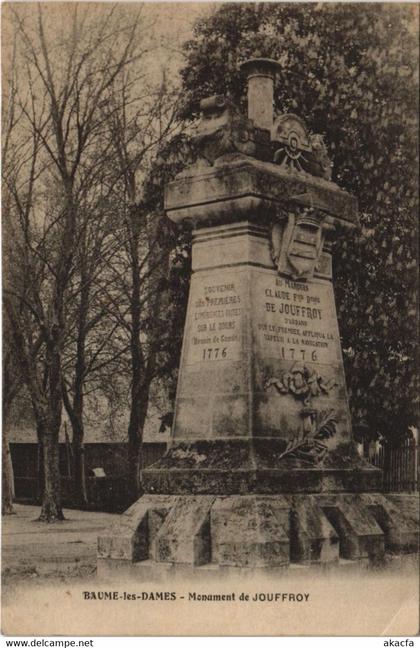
295 341
238 187
224 130
131 538
401 531
244 242
262 469
228 467
185 535
258 531
360 535
250 531
312 538
407 503
261 73
259 351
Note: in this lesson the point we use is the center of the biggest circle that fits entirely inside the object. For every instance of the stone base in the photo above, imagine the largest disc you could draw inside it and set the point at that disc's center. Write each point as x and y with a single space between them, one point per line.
229 467
257 531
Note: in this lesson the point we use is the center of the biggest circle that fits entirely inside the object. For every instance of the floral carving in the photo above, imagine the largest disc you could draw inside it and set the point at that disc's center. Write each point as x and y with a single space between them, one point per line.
304 384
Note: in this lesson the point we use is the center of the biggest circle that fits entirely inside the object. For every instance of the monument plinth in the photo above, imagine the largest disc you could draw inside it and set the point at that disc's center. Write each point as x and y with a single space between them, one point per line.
262 469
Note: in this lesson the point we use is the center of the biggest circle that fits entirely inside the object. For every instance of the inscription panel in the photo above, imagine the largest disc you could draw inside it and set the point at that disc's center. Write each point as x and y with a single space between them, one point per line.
295 321
215 312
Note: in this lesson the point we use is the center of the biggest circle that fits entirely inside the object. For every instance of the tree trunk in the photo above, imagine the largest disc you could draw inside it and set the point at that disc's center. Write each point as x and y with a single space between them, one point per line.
79 472
75 411
76 418
51 510
135 439
135 429
79 476
7 481
134 460
40 472
136 423
50 423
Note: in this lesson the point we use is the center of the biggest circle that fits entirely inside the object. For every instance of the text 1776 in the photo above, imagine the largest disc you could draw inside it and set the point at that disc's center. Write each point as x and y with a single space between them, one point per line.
214 353
293 354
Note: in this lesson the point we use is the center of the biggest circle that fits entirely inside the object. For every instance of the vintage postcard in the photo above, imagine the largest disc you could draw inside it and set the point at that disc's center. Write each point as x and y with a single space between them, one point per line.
210 391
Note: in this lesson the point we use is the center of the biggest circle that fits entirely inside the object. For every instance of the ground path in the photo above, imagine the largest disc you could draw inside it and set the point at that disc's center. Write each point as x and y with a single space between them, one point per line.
32 549
48 567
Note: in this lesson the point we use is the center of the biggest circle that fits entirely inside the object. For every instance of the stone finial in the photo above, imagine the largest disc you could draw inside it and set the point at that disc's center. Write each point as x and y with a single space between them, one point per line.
260 73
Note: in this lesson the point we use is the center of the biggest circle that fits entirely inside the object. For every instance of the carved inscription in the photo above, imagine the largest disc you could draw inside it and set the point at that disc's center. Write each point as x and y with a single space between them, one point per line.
215 321
296 320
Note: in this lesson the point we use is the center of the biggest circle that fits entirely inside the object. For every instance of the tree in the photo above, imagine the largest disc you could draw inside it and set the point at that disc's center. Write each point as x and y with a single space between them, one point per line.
11 377
11 386
89 347
351 72
172 158
138 274
67 74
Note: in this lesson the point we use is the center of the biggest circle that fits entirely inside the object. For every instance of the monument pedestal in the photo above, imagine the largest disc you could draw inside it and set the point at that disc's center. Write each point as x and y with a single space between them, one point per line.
257 531
261 471
254 503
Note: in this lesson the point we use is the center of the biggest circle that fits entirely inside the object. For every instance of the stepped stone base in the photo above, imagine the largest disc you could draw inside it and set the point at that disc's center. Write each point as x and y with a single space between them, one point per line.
257 531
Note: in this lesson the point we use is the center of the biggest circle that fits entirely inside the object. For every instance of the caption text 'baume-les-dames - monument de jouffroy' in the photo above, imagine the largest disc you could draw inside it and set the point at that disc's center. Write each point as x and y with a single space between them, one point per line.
261 470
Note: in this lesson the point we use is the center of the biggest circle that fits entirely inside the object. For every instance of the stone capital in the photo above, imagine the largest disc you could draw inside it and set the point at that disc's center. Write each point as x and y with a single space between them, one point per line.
239 187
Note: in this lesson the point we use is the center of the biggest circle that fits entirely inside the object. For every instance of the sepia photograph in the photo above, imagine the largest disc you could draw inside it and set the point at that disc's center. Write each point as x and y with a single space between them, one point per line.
210 388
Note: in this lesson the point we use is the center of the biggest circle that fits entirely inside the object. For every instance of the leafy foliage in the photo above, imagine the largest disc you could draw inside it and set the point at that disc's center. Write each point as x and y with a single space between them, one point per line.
308 443
351 71
173 157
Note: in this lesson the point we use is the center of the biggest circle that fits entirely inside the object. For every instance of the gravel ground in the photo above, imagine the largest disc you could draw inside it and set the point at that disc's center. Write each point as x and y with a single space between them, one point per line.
37 550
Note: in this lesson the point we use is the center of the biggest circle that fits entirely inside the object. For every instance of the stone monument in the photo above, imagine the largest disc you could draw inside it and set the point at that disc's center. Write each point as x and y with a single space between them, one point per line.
261 470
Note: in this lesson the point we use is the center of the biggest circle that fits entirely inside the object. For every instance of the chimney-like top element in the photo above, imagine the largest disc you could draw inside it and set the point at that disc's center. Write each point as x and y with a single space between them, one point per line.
260 73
